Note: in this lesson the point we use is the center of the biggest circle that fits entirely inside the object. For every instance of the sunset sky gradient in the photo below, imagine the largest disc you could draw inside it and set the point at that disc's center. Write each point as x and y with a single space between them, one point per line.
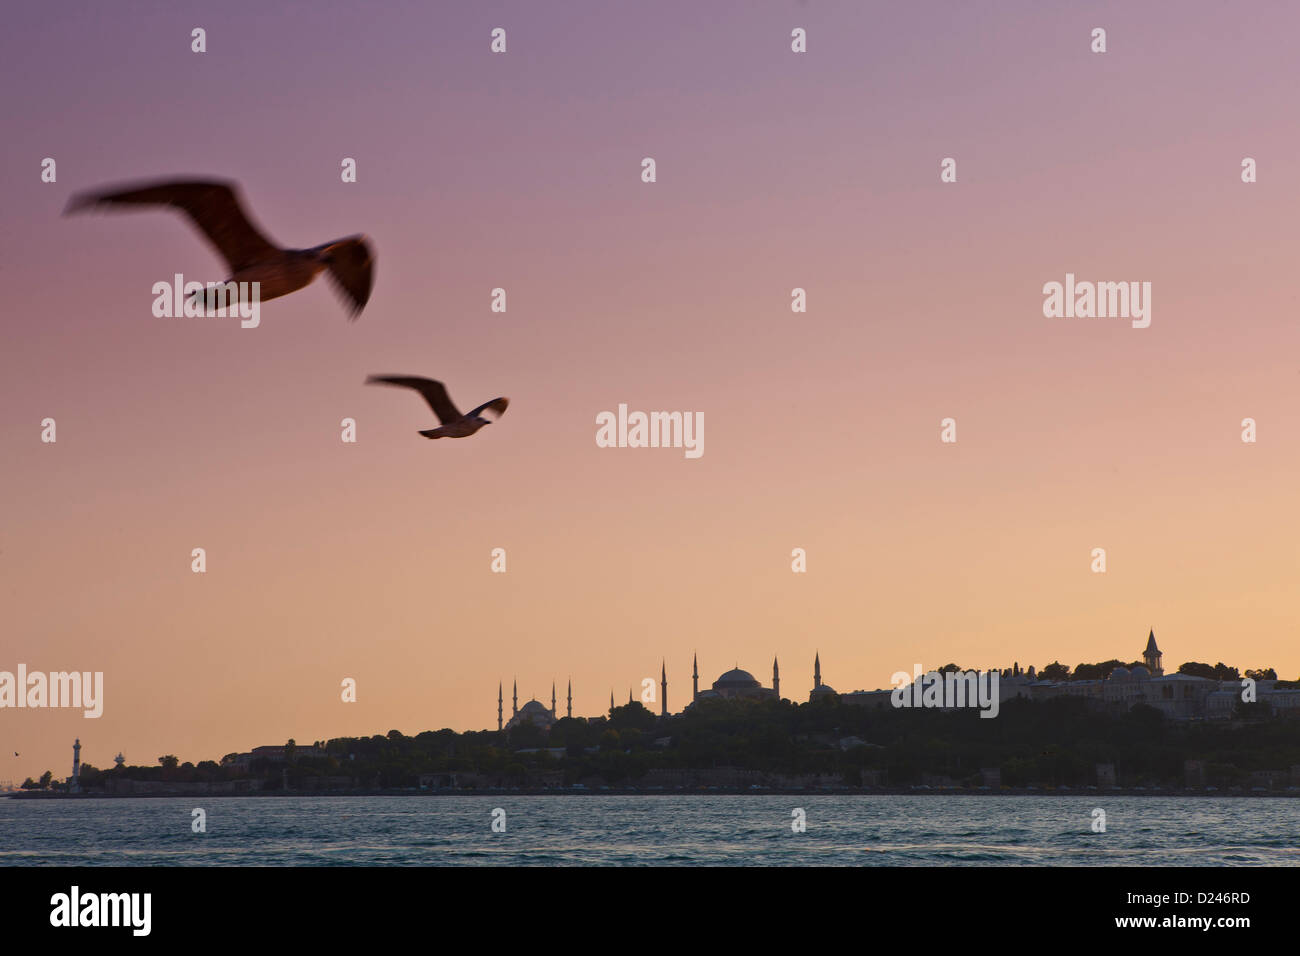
775 170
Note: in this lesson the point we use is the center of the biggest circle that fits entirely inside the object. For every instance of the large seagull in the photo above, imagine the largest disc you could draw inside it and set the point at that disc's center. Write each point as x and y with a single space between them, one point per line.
454 424
215 208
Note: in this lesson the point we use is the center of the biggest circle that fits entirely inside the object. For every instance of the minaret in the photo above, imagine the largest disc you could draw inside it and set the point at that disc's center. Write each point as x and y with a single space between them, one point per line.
552 700
695 680
629 696
611 700
776 678
1152 655
570 713
817 671
515 702
663 688
500 702
74 785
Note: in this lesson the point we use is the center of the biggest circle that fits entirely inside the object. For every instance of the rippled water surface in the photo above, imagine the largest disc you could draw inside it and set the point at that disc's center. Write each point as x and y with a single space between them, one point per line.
662 830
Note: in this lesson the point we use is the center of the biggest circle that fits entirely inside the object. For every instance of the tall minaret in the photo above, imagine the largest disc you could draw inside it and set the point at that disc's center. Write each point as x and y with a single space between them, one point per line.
570 713
75 783
629 696
817 671
500 702
776 678
663 688
553 700
695 680
611 700
515 702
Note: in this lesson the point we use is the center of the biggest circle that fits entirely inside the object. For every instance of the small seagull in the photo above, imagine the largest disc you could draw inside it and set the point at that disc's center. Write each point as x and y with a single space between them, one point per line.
454 424
215 208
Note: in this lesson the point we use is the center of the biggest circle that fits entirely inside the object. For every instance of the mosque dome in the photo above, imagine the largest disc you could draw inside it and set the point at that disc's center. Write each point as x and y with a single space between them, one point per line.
1120 673
1141 672
736 680
823 690
534 712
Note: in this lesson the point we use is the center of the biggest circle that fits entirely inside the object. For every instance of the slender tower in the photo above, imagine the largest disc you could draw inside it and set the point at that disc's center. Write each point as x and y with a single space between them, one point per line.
611 700
515 702
1152 656
570 713
817 671
629 696
695 679
553 711
75 783
500 702
663 688
776 678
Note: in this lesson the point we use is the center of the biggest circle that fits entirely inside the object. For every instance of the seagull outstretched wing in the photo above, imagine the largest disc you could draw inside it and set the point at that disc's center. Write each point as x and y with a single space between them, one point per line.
211 205
435 393
352 271
497 407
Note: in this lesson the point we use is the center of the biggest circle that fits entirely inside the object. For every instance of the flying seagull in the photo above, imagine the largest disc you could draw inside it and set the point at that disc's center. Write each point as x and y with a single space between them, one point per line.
215 208
454 424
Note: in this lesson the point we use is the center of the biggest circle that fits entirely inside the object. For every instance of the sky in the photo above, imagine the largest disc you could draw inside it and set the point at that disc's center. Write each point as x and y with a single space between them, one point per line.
775 170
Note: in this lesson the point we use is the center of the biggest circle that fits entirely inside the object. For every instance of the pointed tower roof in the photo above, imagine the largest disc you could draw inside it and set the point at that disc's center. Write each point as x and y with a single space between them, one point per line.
1151 643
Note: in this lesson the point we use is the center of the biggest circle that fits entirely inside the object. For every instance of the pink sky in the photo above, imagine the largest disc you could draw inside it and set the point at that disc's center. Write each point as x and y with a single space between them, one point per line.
775 171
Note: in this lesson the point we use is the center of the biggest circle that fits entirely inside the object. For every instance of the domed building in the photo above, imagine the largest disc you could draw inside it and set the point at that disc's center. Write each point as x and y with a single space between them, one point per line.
737 683
1145 683
533 712
819 689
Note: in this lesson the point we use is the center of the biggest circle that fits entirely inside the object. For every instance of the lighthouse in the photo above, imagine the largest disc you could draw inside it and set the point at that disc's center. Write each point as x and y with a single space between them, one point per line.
74 782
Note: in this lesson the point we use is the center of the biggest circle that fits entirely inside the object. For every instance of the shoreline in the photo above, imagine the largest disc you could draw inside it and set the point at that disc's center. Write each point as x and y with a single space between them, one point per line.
715 792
